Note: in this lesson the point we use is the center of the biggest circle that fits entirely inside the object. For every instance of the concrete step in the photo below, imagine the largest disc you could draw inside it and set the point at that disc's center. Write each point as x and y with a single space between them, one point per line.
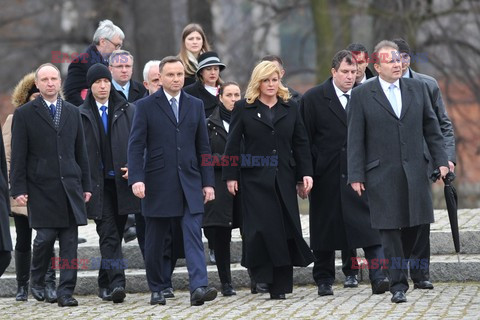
440 242
443 268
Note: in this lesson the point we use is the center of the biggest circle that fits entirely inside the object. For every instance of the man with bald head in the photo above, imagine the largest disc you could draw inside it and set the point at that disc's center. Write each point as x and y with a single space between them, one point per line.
50 174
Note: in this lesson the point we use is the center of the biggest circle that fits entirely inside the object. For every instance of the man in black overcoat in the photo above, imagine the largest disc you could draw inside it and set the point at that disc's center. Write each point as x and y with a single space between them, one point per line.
107 119
390 118
50 174
339 219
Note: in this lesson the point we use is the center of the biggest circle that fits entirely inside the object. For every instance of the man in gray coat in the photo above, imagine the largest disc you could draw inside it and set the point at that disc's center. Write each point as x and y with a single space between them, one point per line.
421 277
389 119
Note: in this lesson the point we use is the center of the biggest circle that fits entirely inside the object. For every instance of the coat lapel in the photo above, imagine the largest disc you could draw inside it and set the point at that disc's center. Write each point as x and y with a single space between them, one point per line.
258 114
43 113
164 105
88 113
184 107
217 121
280 113
407 94
381 98
335 106
63 116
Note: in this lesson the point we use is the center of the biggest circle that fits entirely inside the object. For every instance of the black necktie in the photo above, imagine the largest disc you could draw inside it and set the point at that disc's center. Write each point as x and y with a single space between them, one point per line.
348 102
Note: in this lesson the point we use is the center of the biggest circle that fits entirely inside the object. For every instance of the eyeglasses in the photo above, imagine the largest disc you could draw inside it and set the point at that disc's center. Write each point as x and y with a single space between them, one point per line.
116 45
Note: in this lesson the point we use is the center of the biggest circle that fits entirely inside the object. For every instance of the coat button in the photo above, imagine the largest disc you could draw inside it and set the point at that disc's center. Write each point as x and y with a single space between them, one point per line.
273 132
274 151
179 168
61 178
60 157
178 130
343 176
178 148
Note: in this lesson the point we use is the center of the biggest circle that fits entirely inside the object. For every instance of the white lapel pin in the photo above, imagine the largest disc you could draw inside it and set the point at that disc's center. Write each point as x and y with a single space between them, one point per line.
259 115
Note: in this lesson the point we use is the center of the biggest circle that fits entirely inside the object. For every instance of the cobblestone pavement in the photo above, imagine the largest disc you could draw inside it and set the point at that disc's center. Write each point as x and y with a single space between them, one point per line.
446 301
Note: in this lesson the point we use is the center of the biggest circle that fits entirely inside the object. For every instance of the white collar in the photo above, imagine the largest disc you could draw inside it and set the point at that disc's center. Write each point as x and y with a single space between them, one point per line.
340 92
386 84
169 97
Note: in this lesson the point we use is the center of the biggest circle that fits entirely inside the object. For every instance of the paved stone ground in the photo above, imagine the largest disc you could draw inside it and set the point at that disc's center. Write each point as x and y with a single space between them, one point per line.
446 301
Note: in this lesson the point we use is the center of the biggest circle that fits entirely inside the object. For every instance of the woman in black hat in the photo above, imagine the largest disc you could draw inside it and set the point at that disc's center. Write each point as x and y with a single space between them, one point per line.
208 83
24 92
222 214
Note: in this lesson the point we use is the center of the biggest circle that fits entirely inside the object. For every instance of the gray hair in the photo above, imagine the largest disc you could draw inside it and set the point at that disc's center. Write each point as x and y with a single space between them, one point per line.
382 45
106 29
147 67
114 56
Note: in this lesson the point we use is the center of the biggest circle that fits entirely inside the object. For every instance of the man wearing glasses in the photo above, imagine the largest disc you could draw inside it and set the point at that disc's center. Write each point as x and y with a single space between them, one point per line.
121 66
107 38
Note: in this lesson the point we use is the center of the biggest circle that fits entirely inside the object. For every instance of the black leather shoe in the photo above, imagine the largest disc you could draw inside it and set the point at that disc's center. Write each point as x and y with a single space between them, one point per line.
168 293
325 289
380 286
261 287
103 293
202 294
425 284
67 301
157 298
38 293
22 293
130 234
350 282
399 297
277 296
227 290
81 240
118 295
50 293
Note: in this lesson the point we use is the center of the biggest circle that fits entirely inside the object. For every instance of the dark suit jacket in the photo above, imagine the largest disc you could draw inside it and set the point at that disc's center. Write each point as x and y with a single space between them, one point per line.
441 112
166 155
339 218
77 74
135 92
387 153
120 125
49 165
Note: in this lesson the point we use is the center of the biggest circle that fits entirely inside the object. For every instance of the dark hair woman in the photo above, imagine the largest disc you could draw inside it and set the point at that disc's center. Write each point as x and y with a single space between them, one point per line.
222 214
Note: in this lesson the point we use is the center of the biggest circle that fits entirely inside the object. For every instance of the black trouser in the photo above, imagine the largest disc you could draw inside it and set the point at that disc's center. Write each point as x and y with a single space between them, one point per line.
41 258
140 227
210 235
324 265
416 245
279 279
5 257
23 248
394 247
111 273
347 256
221 237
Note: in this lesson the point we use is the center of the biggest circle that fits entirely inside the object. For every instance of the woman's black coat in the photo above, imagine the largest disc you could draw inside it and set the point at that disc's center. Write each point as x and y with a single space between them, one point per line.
210 102
272 233
224 211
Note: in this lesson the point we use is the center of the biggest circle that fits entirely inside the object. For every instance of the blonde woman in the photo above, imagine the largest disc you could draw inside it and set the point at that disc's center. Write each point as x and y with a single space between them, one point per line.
275 165
194 43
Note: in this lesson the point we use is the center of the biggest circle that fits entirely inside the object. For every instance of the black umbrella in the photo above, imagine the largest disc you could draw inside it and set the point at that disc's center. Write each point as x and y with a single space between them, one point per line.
451 201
